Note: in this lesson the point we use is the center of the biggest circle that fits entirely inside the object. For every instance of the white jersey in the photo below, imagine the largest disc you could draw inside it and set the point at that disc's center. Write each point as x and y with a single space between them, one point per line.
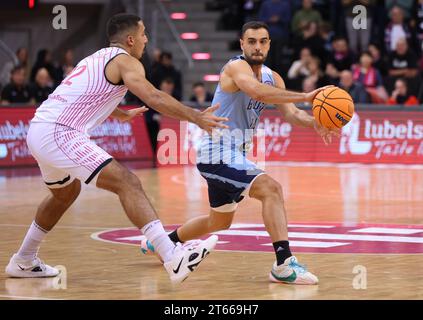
85 98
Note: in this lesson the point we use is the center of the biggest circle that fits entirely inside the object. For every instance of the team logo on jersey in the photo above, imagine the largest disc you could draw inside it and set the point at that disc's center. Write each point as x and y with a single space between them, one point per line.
304 237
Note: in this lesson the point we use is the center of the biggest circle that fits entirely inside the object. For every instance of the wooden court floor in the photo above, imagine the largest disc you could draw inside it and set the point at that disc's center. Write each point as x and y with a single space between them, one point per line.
360 229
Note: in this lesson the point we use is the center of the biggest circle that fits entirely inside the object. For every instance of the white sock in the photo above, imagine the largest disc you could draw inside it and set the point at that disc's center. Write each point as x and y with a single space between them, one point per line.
32 241
159 238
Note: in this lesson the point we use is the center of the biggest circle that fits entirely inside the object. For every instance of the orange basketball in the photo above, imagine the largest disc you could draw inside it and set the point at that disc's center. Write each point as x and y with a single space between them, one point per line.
333 107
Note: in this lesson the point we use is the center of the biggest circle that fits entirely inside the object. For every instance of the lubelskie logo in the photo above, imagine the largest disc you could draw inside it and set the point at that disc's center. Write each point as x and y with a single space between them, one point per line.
384 138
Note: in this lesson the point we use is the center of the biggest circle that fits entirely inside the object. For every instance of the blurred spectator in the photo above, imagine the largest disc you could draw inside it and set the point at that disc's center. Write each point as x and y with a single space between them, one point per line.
304 16
299 68
17 91
405 5
340 59
316 73
403 64
251 9
153 118
167 85
45 60
396 29
358 38
308 85
165 69
418 21
379 60
326 34
277 15
312 71
156 57
130 98
400 95
370 78
311 39
200 95
22 55
67 66
356 90
323 7
42 87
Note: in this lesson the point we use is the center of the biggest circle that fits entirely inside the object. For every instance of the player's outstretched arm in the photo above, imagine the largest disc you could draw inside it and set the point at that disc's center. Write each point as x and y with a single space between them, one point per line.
132 73
300 117
242 75
290 112
127 115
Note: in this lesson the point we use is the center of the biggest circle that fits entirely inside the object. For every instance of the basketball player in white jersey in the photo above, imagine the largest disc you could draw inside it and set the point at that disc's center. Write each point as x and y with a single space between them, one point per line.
58 138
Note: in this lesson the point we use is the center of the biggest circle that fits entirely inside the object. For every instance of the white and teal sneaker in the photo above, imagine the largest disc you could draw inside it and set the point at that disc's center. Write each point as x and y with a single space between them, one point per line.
147 247
187 257
292 272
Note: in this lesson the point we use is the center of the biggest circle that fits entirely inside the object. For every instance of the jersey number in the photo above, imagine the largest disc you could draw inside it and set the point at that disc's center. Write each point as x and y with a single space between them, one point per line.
75 72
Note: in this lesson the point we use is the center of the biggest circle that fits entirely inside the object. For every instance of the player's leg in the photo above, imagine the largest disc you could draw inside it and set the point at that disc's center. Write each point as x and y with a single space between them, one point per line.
179 260
56 203
199 226
119 180
269 192
227 185
25 262
223 198
286 269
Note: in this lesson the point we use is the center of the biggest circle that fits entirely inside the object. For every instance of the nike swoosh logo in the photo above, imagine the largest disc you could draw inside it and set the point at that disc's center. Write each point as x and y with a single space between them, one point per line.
179 266
20 267
291 278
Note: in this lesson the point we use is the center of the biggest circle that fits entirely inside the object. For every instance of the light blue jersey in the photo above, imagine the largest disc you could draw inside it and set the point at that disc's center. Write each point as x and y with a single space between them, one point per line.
243 113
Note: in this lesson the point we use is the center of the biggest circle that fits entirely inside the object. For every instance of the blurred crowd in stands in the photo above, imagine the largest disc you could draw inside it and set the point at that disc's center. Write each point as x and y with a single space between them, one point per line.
25 84
314 43
376 57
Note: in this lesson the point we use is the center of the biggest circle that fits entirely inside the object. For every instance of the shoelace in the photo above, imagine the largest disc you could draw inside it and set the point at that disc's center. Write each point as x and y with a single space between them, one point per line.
190 244
40 263
297 266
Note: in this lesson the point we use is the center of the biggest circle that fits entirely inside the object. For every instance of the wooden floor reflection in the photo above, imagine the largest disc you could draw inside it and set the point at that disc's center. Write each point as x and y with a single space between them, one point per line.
102 270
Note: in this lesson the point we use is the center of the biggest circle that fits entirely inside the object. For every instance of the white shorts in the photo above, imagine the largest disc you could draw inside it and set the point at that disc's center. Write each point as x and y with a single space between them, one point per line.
64 154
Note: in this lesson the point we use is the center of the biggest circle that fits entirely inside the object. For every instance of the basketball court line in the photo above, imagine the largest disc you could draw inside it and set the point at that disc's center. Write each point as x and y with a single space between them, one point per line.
26 297
64 227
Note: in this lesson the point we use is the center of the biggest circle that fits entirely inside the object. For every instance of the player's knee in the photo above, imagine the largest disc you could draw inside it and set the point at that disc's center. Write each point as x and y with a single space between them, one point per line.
134 181
130 181
69 193
268 188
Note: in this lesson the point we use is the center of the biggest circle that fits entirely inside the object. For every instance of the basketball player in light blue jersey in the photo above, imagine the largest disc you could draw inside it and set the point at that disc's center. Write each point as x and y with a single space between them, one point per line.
246 86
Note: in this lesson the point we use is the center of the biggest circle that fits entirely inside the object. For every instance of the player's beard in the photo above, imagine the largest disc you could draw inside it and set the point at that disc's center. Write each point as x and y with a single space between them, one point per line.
255 62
